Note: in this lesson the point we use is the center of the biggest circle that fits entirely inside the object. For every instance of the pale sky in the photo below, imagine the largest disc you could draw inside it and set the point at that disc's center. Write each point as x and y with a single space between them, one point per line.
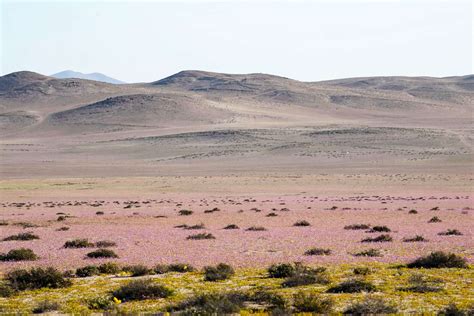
305 40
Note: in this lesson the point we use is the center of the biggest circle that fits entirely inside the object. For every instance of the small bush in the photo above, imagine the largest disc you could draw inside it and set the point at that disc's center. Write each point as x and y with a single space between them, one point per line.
185 212
450 232
220 272
312 303
352 286
37 278
439 259
282 270
137 270
302 223
417 238
453 310
369 253
215 209
6 290
318 252
3 223
105 244
380 229
21 254
102 253
231 226
180 267
109 268
198 226
370 306
380 238
78 243
362 271
210 304
87 271
419 283
22 237
46 306
61 218
99 213
141 290
256 229
272 214
160 269
101 303
357 227
435 219
305 276
62 229
413 212
201 236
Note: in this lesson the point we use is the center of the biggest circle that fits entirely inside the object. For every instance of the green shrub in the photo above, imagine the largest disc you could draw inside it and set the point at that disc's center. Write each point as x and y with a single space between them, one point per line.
109 268
141 290
419 283
78 243
453 310
439 259
318 252
281 270
210 304
46 306
22 236
312 303
37 278
6 290
305 276
21 254
87 271
137 270
380 238
370 306
352 286
302 223
180 267
101 303
220 272
102 253
201 236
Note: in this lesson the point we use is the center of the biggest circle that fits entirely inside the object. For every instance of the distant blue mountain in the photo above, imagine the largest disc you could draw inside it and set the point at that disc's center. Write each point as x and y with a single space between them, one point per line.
93 76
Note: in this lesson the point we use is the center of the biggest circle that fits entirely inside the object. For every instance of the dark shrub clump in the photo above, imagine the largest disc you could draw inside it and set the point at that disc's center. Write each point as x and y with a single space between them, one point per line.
201 236
6 290
105 244
435 219
352 286
419 283
37 278
109 268
380 238
380 229
62 229
137 270
22 236
102 253
450 232
231 226
220 272
78 243
305 276
318 252
439 259
141 290
185 212
370 306
362 271
180 267
417 238
369 253
256 229
453 310
87 271
412 212
302 223
282 270
312 303
357 227
46 306
22 254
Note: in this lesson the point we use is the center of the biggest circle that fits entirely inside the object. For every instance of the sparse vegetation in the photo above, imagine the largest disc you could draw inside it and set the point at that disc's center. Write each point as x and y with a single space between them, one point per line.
78 243
22 236
105 244
303 275
185 212
371 306
46 306
231 226
301 223
220 272
439 259
201 236
380 238
102 253
87 271
318 252
380 229
109 268
435 219
312 303
137 270
357 227
256 229
21 254
369 253
282 270
141 290
37 278
417 238
352 286
450 232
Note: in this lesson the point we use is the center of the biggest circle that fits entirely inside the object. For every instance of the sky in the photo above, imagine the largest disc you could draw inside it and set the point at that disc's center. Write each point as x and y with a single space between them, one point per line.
143 41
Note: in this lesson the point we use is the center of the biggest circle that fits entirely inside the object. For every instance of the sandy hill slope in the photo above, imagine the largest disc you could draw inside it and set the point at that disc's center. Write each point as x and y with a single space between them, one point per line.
198 122
96 76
